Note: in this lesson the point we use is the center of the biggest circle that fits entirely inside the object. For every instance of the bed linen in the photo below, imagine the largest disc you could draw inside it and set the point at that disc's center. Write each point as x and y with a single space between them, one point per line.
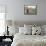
28 40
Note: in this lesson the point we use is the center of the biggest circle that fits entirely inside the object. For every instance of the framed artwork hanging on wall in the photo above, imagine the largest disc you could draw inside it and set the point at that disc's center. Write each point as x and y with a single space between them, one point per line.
30 10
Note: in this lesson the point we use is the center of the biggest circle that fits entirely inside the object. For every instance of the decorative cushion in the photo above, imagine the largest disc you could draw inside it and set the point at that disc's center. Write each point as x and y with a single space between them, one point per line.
28 31
44 26
13 30
21 30
33 30
36 30
28 28
44 29
24 30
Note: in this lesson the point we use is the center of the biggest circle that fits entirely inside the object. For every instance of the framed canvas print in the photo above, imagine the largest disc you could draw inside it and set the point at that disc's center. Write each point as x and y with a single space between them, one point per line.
30 10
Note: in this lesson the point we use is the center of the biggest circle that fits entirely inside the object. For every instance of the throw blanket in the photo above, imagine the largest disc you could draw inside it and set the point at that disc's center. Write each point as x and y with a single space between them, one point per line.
29 40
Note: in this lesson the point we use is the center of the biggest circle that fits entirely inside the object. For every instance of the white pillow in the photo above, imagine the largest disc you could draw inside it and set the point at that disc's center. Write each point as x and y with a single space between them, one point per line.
44 27
36 30
24 30
28 28
21 30
13 30
28 31
42 30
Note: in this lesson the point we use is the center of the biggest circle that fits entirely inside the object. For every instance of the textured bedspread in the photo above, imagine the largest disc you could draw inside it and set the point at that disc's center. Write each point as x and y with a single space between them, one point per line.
29 40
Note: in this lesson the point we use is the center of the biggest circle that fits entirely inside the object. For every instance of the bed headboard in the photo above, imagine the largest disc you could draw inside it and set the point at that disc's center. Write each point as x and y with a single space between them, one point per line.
21 23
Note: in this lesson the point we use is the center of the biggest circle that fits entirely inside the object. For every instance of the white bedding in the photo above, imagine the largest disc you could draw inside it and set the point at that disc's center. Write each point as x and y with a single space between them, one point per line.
29 40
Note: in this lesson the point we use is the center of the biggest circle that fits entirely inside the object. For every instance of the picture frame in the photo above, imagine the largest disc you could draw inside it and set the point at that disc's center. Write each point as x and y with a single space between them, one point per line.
30 10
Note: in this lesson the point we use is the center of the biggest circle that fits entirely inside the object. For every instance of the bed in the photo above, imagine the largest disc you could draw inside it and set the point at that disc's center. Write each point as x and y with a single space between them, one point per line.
24 38
29 40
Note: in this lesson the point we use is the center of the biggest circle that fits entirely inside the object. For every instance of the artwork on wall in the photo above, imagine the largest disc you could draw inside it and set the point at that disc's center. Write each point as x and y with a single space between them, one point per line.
30 10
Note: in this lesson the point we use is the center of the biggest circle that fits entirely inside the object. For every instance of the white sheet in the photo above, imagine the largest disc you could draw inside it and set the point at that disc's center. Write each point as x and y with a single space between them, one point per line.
25 40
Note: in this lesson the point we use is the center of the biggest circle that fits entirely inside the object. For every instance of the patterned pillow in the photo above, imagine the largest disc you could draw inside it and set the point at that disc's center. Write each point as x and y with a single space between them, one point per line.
36 30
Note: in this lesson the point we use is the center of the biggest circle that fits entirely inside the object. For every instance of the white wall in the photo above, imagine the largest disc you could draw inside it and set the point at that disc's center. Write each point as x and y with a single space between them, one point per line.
15 10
